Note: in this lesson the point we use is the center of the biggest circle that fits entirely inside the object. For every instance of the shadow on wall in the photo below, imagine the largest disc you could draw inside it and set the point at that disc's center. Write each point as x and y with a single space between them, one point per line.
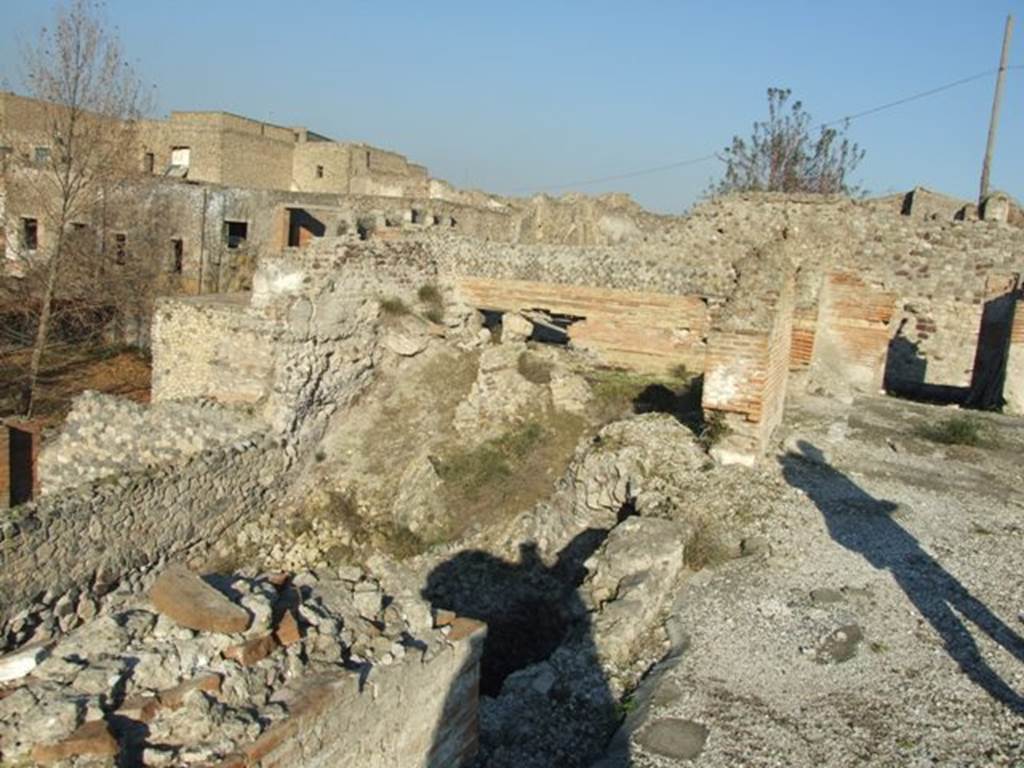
532 611
905 369
864 524
989 375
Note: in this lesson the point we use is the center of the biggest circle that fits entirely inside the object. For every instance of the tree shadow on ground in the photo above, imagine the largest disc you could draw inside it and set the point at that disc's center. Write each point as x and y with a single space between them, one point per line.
563 716
864 524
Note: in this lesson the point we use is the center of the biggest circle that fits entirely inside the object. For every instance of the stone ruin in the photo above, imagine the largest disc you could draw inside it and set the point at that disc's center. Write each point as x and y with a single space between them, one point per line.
117 647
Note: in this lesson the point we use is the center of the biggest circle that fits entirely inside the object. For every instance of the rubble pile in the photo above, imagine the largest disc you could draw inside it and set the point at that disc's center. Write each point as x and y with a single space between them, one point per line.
197 668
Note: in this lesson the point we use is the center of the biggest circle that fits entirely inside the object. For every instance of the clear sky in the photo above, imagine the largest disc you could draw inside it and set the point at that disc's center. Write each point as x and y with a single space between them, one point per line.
516 97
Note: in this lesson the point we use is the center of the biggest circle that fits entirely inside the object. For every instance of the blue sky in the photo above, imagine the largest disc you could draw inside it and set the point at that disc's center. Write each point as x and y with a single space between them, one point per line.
518 97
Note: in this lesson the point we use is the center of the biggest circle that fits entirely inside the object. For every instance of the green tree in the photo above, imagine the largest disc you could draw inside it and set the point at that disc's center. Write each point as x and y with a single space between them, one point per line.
783 154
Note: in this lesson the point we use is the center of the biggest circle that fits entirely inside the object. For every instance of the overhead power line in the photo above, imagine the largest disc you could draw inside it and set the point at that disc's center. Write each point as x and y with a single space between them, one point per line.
714 155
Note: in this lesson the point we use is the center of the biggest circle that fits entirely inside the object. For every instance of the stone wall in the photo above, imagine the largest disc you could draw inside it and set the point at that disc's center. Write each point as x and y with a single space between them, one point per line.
417 715
105 435
212 347
748 358
1014 378
86 540
632 329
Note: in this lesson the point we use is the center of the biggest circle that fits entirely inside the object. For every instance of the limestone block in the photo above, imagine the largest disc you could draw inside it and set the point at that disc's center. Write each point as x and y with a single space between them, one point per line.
92 739
185 597
515 327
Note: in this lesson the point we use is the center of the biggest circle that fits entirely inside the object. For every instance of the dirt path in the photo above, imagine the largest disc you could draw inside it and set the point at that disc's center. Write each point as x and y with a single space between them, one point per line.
884 628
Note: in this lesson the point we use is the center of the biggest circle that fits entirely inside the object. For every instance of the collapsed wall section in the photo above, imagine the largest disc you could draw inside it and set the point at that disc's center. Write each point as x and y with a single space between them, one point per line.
84 541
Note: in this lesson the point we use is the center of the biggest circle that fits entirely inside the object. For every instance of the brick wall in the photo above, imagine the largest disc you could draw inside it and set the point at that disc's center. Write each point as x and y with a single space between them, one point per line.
748 361
852 339
805 321
635 329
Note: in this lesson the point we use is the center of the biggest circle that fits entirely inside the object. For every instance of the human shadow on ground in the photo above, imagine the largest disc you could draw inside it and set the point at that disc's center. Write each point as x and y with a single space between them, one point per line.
564 714
864 524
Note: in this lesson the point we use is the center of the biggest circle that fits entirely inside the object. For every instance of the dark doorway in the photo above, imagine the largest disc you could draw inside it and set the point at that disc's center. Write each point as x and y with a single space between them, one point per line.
988 376
303 227
21 461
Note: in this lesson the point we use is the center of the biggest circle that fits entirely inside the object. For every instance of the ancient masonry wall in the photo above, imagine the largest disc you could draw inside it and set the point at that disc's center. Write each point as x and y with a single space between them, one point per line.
748 359
422 716
1014 381
84 541
853 334
632 329
211 347
105 435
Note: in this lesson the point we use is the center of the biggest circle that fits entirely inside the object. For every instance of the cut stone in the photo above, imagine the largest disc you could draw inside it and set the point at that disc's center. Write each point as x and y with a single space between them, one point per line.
184 597
287 631
175 697
93 739
251 651
675 738
463 627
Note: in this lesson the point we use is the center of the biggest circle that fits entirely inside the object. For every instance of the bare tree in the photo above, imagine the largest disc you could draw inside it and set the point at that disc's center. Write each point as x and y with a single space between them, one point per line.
782 155
91 101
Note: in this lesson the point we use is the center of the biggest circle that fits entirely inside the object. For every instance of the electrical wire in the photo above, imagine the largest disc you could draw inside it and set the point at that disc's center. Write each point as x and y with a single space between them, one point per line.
714 155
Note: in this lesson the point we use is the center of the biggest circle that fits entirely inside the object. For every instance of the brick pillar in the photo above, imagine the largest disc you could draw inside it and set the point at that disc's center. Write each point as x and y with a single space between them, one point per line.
1013 385
748 360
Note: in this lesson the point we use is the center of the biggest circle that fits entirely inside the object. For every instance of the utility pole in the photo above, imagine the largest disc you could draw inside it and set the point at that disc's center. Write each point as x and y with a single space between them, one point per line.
996 103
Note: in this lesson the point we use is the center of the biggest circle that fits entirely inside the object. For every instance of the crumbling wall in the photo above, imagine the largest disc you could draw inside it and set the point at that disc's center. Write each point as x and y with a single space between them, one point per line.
105 435
84 541
423 715
748 359
212 347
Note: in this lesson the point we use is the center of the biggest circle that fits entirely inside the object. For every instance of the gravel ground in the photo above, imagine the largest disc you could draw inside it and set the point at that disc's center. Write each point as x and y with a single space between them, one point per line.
884 627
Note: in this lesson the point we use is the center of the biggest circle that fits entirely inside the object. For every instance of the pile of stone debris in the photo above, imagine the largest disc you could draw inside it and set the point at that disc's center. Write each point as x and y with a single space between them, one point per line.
196 668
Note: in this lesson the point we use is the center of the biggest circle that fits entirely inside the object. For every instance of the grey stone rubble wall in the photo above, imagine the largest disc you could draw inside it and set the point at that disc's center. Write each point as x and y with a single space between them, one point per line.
105 435
424 715
636 267
86 540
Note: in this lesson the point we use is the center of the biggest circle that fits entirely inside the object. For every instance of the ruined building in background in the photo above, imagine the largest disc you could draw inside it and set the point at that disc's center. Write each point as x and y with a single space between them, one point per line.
215 191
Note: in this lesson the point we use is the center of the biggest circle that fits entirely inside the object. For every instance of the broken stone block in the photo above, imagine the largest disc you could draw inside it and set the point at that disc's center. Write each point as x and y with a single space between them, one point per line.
185 597
287 631
175 697
515 327
20 663
92 739
251 651
405 345
674 738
